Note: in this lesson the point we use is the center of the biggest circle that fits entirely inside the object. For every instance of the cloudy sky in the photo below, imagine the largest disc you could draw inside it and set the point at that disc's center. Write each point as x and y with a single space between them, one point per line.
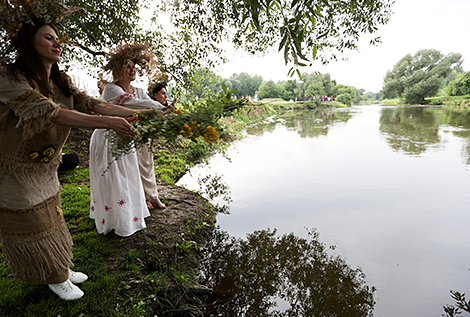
415 25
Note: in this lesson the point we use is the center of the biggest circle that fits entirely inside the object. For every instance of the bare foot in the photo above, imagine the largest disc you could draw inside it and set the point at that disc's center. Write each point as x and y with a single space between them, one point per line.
157 203
149 204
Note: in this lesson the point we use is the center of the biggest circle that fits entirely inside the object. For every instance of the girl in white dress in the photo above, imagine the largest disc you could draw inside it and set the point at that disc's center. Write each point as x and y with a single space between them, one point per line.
118 199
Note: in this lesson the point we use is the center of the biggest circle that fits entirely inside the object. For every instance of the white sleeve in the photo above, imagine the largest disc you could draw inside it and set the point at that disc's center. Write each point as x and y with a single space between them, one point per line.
146 101
115 94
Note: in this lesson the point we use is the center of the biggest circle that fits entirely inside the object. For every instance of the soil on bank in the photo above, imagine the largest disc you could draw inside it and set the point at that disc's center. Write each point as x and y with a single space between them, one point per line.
182 227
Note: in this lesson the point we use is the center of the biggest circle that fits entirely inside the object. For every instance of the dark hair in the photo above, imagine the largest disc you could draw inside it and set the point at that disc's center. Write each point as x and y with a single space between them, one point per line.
158 87
30 64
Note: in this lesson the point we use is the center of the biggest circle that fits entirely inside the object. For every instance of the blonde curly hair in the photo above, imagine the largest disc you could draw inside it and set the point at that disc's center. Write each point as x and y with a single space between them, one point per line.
140 54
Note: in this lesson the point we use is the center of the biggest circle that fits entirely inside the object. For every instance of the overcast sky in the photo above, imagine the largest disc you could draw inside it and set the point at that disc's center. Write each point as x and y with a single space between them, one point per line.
415 25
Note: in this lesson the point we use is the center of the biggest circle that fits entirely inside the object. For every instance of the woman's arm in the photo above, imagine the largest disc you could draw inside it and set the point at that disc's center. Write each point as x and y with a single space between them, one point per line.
75 119
138 101
110 109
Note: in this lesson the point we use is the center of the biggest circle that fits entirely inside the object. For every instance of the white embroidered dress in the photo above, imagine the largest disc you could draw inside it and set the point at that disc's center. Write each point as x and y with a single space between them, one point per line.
117 196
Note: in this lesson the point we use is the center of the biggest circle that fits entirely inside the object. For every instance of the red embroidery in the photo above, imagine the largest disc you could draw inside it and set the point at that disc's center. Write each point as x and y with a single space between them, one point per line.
92 208
121 202
102 222
107 208
136 219
122 99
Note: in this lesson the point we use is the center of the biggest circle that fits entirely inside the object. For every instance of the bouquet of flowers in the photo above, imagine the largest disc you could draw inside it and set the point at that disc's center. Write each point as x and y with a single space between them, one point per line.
194 120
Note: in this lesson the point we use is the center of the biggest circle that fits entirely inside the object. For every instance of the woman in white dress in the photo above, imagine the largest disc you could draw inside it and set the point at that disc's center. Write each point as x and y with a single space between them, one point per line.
118 197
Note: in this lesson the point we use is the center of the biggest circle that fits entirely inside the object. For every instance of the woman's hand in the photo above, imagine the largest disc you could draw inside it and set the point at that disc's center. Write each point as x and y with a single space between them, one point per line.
122 126
171 107
75 119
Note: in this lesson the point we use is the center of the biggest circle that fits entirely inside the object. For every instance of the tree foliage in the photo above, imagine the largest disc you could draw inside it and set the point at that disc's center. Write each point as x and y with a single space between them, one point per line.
188 34
303 29
244 83
315 83
289 88
418 76
460 86
205 83
269 89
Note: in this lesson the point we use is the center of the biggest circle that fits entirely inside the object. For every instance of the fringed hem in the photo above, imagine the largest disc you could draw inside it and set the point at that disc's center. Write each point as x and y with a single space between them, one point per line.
43 261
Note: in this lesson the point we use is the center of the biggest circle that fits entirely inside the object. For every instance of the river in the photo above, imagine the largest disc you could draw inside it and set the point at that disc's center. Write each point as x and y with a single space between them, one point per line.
386 188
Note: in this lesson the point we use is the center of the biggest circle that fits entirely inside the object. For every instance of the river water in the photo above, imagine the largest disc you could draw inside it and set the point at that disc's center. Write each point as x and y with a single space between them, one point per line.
386 188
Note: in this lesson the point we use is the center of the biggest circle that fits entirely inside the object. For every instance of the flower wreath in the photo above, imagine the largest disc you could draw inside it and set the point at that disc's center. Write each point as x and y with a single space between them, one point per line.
140 54
16 13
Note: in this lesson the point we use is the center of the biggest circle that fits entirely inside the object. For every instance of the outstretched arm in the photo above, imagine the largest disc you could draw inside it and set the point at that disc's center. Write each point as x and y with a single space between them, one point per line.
75 119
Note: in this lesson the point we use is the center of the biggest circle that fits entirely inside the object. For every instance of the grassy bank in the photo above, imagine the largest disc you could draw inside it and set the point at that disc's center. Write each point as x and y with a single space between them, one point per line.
153 272
456 101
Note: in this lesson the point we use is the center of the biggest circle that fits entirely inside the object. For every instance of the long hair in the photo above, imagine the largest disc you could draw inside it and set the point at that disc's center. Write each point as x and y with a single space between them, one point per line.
30 64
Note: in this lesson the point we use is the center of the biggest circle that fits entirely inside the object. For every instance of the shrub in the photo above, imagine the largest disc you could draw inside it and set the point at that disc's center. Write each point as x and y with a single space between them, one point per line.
345 98
460 86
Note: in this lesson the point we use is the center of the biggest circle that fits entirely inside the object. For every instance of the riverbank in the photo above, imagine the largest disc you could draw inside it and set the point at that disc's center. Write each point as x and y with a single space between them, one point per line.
153 272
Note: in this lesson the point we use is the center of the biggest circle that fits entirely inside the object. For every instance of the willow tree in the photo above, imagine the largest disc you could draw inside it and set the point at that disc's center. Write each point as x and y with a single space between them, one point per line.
421 75
188 33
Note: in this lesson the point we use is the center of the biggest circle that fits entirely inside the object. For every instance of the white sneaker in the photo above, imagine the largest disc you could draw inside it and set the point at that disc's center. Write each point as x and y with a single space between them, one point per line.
77 277
66 290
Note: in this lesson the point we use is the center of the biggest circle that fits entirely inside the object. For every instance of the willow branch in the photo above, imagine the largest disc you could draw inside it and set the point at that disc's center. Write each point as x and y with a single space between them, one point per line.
86 49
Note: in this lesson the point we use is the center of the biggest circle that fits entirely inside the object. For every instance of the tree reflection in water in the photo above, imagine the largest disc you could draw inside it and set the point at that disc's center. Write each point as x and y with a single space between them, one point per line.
212 187
308 124
250 277
410 129
460 118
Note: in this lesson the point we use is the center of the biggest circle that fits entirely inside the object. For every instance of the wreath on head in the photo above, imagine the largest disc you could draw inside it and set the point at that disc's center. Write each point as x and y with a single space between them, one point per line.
14 14
139 54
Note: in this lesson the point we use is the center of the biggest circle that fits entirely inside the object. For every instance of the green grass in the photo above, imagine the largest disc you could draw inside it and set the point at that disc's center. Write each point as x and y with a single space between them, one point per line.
460 101
390 102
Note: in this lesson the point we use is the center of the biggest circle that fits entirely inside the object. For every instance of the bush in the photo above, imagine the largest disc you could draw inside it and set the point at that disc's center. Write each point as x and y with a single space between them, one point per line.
460 86
345 98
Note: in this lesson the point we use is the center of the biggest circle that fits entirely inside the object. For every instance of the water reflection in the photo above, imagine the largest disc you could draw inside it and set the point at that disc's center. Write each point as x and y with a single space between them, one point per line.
457 118
308 124
402 218
253 277
215 189
461 121
410 129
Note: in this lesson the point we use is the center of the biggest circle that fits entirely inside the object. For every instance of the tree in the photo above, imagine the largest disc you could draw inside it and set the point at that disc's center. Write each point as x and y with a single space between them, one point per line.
289 89
315 88
347 94
315 83
244 83
373 95
205 82
269 89
419 76
328 84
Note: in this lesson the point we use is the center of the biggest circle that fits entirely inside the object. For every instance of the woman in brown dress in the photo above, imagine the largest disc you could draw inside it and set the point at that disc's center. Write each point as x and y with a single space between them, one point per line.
38 105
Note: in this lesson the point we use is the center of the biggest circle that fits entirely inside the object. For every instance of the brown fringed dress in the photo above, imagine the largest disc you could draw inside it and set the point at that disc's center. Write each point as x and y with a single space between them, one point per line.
33 233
